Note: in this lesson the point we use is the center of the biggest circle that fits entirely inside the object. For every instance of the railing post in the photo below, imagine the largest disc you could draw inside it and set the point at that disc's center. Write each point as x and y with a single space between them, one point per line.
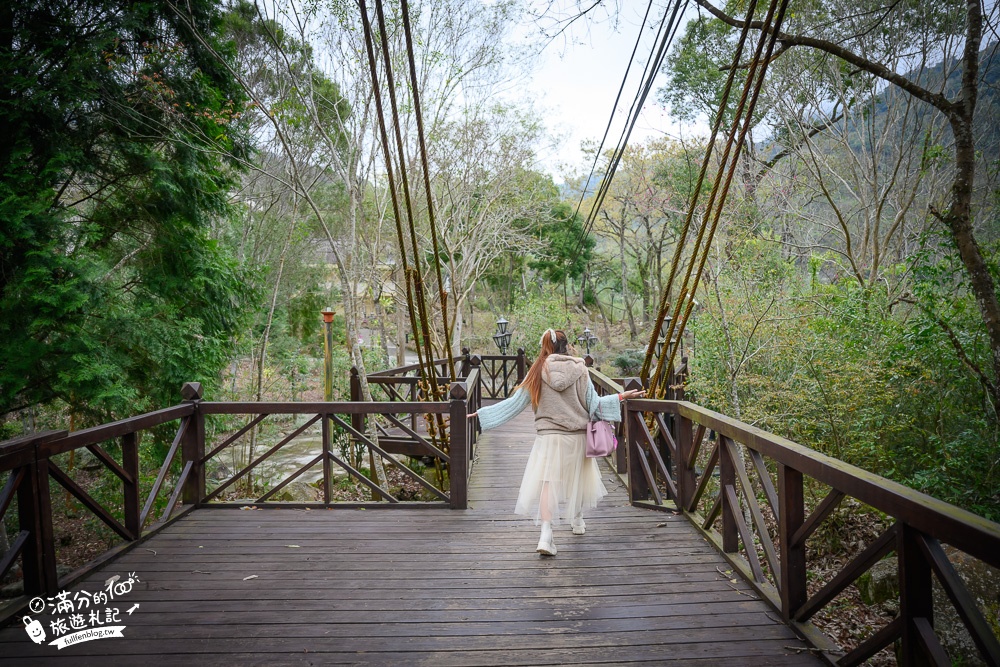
355 385
465 367
727 478
357 420
458 451
915 593
45 557
34 510
621 454
520 362
681 380
325 424
638 487
687 479
30 518
193 446
793 556
132 503
476 400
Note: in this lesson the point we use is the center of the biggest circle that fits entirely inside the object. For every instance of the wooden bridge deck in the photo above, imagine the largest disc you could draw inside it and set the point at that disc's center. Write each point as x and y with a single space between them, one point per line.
402 587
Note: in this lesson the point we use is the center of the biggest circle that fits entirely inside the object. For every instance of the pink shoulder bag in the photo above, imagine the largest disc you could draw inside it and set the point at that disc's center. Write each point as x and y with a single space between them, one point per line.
601 440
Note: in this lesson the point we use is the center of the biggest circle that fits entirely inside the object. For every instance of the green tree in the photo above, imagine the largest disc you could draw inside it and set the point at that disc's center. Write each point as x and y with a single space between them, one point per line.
567 252
114 285
929 51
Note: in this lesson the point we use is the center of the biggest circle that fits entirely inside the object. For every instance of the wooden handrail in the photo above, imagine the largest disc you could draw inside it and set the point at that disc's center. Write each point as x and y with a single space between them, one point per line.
960 528
922 522
343 407
400 370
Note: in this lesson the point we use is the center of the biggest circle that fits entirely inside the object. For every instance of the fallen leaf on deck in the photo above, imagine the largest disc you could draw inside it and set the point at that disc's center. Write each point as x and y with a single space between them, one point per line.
252 576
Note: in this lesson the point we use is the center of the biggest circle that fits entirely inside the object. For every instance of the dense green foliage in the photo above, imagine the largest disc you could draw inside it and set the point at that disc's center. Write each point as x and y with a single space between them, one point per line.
113 286
851 373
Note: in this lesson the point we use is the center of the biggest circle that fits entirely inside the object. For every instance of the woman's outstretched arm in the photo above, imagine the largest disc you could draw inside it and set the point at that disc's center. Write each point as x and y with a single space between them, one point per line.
491 416
608 408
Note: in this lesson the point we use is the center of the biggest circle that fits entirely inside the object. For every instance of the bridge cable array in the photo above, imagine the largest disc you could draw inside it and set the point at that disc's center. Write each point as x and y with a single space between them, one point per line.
416 297
611 118
415 294
735 141
664 37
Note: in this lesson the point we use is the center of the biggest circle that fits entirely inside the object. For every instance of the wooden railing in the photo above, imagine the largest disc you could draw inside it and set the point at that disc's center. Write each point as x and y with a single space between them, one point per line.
500 373
745 489
29 462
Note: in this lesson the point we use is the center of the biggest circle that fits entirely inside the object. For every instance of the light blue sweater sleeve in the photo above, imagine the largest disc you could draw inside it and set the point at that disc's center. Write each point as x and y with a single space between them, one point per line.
491 416
607 408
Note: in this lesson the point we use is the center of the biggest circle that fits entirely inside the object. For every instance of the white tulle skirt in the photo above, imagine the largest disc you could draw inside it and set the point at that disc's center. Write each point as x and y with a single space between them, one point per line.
559 475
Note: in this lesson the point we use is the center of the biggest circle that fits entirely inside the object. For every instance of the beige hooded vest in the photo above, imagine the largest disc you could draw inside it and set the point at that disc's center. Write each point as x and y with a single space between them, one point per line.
562 406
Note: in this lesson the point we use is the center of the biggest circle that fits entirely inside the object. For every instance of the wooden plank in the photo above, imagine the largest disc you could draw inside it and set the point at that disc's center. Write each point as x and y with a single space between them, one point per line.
960 528
973 619
342 408
7 494
933 650
291 478
164 469
448 587
766 483
234 437
20 451
706 477
95 507
746 536
866 649
97 434
8 558
758 518
822 511
112 465
172 501
860 564
769 652
253 464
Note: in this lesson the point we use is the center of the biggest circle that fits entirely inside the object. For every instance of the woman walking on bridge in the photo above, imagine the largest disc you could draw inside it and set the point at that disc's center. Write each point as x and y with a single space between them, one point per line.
559 481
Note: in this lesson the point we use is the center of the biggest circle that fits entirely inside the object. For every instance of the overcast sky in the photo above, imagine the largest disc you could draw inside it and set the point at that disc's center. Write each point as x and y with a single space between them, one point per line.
578 79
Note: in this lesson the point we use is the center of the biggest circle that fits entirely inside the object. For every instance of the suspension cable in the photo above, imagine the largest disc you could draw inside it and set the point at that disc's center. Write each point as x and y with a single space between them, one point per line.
418 283
389 174
742 122
696 195
427 185
665 38
614 107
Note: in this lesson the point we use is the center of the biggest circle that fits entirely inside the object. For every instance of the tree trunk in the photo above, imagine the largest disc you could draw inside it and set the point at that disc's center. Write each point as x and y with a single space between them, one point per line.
959 222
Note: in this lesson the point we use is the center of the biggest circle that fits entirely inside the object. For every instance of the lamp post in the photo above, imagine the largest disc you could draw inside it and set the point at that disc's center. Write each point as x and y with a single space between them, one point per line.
664 328
587 338
502 336
502 339
328 353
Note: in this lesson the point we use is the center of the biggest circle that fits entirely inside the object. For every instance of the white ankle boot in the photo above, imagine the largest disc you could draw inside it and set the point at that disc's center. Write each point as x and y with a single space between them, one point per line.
546 546
579 527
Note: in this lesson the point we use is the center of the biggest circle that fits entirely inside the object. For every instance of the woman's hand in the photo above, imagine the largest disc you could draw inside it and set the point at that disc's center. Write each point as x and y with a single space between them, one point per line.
471 415
633 393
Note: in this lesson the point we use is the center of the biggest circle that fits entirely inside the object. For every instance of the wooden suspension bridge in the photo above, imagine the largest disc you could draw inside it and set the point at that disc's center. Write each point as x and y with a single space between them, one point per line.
698 556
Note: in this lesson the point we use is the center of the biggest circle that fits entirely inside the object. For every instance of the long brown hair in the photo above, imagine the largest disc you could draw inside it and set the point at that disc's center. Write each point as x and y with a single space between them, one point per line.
533 378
